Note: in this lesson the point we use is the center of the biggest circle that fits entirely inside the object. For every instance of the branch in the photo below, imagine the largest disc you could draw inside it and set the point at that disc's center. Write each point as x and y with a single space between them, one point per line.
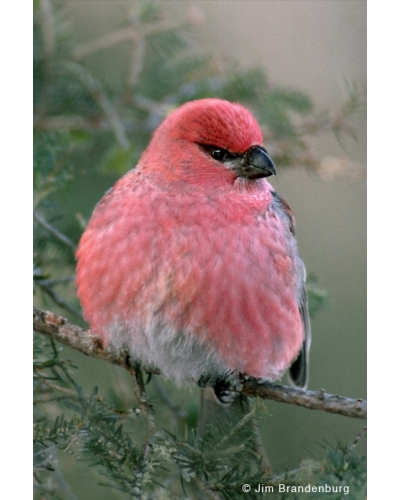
83 341
313 400
59 328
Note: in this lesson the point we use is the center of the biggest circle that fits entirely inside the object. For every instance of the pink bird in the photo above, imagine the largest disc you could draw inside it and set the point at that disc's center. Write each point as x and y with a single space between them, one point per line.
190 264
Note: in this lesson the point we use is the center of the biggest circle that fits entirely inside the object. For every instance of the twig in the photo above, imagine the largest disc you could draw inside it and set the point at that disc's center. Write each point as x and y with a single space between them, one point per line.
48 30
52 230
65 394
49 43
130 34
47 287
175 409
59 281
83 341
291 477
69 122
205 489
98 123
360 435
98 95
103 42
137 61
142 399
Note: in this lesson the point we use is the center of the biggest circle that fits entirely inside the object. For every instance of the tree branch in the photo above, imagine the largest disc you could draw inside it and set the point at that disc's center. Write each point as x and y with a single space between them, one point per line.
313 400
59 328
83 341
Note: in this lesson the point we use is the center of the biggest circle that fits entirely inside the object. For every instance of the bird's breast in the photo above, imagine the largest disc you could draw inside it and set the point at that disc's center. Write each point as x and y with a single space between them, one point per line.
217 269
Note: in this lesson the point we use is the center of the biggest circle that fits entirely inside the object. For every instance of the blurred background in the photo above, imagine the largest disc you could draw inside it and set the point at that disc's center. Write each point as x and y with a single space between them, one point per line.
314 48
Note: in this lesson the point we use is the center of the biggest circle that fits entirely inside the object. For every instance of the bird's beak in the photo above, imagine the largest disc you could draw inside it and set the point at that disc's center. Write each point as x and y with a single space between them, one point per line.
255 163
259 163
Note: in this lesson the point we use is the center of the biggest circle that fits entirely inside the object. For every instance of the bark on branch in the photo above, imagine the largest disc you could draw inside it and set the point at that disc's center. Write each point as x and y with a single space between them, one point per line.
83 341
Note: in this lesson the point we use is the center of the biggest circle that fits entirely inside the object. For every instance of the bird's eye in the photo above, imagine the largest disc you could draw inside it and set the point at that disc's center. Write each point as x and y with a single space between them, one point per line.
219 154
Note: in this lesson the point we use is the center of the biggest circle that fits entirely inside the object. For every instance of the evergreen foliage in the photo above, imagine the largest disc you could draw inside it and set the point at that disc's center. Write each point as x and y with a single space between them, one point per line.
88 130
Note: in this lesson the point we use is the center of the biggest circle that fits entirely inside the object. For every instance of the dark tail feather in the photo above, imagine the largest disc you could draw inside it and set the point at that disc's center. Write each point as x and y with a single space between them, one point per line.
298 372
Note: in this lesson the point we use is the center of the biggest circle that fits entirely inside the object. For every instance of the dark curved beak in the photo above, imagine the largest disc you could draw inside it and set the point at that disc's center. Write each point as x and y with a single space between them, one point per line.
255 163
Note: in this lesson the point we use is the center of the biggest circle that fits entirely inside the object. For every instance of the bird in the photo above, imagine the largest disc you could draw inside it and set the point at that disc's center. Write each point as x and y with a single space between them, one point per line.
190 262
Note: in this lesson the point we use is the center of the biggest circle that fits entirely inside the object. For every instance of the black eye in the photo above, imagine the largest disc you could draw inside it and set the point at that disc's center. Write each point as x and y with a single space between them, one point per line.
219 154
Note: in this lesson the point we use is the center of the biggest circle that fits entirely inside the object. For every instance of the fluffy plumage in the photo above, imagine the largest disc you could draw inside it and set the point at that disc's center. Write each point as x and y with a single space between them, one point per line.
190 263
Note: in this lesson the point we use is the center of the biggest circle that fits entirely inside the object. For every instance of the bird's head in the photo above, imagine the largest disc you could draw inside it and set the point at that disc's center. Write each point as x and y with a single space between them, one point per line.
208 140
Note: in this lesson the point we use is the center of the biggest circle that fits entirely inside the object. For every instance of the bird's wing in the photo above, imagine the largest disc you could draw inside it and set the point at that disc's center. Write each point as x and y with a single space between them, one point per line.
298 371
